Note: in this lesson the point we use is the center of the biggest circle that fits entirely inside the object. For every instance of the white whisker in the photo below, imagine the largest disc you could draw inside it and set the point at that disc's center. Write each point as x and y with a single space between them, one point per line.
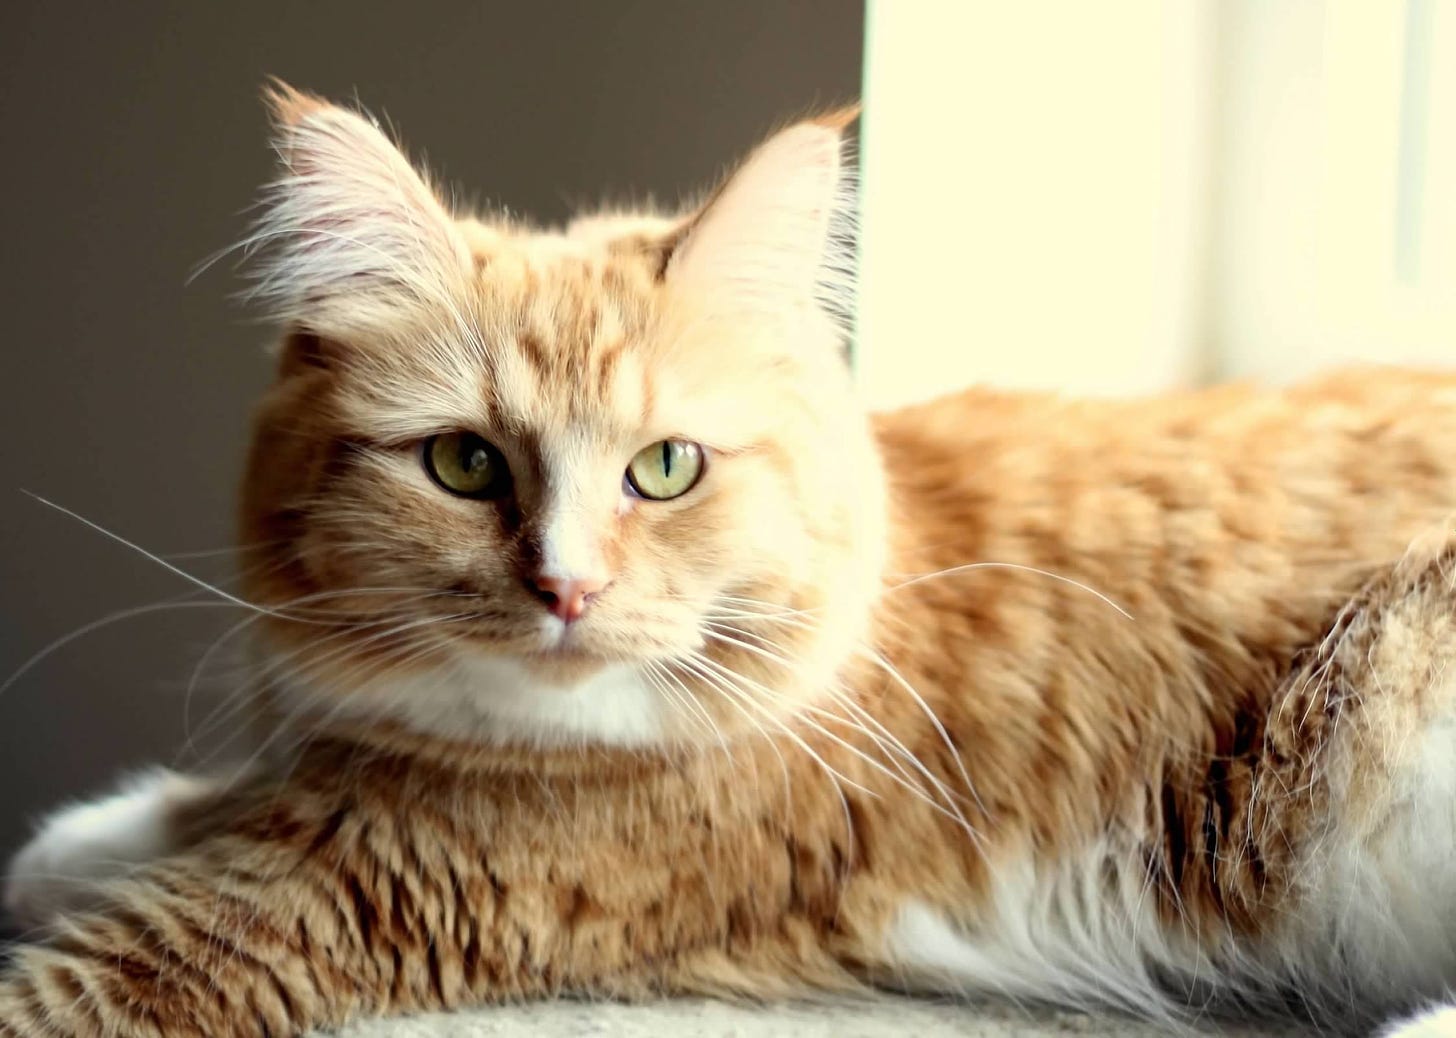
1016 566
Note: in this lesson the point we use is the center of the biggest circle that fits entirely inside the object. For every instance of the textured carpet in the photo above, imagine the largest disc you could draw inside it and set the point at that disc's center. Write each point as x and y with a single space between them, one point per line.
705 1019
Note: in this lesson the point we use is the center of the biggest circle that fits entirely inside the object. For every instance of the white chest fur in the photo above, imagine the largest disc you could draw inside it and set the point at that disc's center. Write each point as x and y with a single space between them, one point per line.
496 700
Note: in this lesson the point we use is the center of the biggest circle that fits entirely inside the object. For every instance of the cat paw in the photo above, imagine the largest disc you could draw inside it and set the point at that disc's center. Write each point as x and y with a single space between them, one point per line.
79 846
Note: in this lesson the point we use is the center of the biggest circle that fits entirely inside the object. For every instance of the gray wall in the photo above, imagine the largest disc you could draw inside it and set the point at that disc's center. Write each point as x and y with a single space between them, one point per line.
133 140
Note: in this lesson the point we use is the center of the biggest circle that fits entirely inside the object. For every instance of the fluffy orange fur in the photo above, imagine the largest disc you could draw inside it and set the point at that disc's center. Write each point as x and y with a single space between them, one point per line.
989 657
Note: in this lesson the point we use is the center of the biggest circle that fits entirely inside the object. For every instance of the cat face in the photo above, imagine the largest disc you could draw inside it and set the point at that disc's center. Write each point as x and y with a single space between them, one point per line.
602 484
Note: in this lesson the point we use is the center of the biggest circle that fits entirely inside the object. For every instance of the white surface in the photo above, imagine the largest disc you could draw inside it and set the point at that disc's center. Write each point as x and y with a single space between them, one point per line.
704 1019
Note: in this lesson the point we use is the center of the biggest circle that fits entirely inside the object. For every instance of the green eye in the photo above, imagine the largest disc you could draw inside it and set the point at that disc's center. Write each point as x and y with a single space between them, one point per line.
667 469
466 465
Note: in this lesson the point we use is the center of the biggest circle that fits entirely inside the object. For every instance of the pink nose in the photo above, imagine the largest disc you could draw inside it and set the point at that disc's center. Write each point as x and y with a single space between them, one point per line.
567 597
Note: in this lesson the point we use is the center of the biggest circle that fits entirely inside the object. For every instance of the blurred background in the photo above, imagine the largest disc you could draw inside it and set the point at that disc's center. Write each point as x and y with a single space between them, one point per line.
1115 198
1107 198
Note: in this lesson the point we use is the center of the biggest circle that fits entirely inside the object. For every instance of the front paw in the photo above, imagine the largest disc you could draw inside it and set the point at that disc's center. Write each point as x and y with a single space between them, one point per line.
78 847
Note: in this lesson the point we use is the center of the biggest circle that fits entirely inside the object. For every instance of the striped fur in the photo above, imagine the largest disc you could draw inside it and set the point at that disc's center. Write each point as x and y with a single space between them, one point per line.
1141 704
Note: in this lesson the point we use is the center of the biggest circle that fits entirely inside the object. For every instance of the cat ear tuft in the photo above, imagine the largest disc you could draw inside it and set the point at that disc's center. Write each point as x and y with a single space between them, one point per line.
778 232
287 105
838 119
351 235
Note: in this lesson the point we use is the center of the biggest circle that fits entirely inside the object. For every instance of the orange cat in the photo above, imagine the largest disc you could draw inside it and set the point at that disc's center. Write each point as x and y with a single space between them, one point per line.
614 650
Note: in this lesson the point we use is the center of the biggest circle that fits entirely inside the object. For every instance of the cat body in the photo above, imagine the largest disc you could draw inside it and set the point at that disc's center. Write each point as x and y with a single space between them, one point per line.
619 653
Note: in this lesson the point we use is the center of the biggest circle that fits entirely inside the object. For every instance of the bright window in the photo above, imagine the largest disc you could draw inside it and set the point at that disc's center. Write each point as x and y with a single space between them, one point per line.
1113 198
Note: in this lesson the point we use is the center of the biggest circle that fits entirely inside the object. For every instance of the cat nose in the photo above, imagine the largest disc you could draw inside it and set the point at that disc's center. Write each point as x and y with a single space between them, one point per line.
567 597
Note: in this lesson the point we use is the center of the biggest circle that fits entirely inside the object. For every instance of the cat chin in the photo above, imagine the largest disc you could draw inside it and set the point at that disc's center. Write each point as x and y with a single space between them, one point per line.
499 700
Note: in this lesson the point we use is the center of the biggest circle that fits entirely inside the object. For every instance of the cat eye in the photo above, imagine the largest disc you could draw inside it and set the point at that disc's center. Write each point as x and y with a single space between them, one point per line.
466 465
667 469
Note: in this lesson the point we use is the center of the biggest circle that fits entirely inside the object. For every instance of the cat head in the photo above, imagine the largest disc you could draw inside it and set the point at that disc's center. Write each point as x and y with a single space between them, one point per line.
605 483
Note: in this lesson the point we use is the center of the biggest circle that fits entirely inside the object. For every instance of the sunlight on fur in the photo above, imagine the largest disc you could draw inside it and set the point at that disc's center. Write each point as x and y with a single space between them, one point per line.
601 644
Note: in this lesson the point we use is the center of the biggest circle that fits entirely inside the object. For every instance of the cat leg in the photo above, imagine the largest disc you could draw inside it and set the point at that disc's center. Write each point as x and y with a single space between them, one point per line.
365 885
79 845
247 930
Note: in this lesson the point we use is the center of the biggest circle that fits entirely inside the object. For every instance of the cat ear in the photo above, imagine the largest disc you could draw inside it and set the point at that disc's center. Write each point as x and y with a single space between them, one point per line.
352 238
778 232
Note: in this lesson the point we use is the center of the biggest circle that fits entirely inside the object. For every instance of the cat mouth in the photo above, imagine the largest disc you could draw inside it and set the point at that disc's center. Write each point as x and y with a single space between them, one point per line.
565 665
575 645
571 643
564 649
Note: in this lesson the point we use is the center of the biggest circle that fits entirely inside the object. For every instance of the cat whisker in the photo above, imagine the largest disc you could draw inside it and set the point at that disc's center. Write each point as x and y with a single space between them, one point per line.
285 724
288 724
144 553
233 550
735 695
900 748
725 680
767 737
759 607
301 736
654 672
896 751
949 809
876 658
1015 566
176 570
55 646
421 595
283 668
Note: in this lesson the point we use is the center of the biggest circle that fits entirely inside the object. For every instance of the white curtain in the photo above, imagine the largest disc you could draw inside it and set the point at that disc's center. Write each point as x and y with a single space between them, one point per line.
1114 198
